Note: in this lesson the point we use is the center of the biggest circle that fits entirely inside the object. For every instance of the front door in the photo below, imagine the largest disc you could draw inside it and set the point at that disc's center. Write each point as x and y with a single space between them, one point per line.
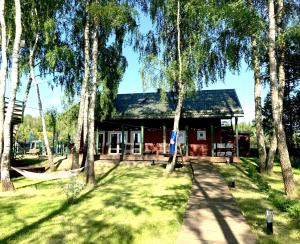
136 142
115 141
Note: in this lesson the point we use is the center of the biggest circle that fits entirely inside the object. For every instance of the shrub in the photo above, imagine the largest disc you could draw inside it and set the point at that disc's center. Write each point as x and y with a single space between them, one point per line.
262 184
73 188
294 212
280 202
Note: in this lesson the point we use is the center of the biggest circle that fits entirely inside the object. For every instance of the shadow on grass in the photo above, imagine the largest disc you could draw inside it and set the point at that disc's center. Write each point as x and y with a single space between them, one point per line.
119 189
43 183
28 162
175 202
65 206
254 208
99 230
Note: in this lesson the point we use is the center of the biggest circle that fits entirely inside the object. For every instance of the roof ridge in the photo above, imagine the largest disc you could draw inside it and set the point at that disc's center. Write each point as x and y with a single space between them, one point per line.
155 92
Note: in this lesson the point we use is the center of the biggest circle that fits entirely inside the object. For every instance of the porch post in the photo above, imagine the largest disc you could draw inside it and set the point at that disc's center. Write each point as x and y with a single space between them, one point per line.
237 137
97 141
142 139
164 139
212 136
123 148
187 140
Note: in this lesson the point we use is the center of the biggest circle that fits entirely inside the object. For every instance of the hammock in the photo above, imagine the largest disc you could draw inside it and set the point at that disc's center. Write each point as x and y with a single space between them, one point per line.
49 176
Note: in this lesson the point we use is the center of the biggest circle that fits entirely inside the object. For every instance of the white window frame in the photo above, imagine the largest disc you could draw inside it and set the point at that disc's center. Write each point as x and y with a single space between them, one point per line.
118 146
103 142
132 142
182 135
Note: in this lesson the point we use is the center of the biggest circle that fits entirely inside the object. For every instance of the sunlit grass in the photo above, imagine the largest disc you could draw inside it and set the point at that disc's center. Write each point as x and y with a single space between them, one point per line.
131 204
253 203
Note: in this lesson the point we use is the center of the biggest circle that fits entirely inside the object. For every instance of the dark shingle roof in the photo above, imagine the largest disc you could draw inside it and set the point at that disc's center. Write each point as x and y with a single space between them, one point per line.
205 103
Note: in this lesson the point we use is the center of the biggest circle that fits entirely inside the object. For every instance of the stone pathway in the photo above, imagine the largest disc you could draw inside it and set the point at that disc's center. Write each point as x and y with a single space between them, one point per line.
212 215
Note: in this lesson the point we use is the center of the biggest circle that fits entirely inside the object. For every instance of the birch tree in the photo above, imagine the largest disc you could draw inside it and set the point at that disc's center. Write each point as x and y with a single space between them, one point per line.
7 185
181 54
277 96
258 107
170 167
42 115
256 64
90 173
84 92
3 71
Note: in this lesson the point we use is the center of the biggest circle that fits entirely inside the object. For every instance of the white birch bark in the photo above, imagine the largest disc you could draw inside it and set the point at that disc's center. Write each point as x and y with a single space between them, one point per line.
258 108
85 126
90 171
33 78
272 152
286 167
31 59
171 166
287 173
3 72
7 185
75 158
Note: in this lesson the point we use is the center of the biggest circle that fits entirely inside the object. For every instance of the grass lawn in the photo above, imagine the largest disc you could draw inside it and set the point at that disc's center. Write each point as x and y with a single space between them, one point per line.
131 204
253 202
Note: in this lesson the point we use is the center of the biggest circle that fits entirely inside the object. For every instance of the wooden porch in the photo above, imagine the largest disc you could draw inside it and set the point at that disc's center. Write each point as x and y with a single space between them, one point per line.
163 158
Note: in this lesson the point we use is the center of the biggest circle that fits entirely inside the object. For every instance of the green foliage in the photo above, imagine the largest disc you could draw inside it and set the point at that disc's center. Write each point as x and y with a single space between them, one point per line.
214 37
73 188
66 122
294 212
253 202
30 124
111 15
260 181
280 201
51 118
284 204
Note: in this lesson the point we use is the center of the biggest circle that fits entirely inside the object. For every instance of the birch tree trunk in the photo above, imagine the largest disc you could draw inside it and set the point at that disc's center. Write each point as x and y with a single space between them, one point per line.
272 153
85 128
286 167
287 173
258 110
7 185
3 72
75 158
171 166
90 171
33 78
29 82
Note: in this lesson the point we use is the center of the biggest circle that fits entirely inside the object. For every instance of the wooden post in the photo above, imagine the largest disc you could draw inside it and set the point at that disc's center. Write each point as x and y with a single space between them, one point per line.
212 140
187 140
123 142
97 141
237 137
164 139
142 139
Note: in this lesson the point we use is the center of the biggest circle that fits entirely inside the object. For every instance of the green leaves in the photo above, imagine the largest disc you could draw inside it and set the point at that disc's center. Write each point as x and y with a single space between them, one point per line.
111 15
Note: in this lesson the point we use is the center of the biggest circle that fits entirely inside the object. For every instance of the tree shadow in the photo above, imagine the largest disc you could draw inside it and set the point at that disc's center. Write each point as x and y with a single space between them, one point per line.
220 205
64 206
175 202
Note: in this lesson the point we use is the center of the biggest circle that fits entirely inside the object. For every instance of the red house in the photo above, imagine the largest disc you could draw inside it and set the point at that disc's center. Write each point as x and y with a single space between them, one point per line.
142 122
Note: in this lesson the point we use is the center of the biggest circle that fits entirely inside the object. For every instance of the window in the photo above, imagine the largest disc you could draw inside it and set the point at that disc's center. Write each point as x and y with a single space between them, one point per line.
181 137
201 135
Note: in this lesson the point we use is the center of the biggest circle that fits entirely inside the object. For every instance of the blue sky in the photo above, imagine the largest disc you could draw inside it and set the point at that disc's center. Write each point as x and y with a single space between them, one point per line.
132 83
